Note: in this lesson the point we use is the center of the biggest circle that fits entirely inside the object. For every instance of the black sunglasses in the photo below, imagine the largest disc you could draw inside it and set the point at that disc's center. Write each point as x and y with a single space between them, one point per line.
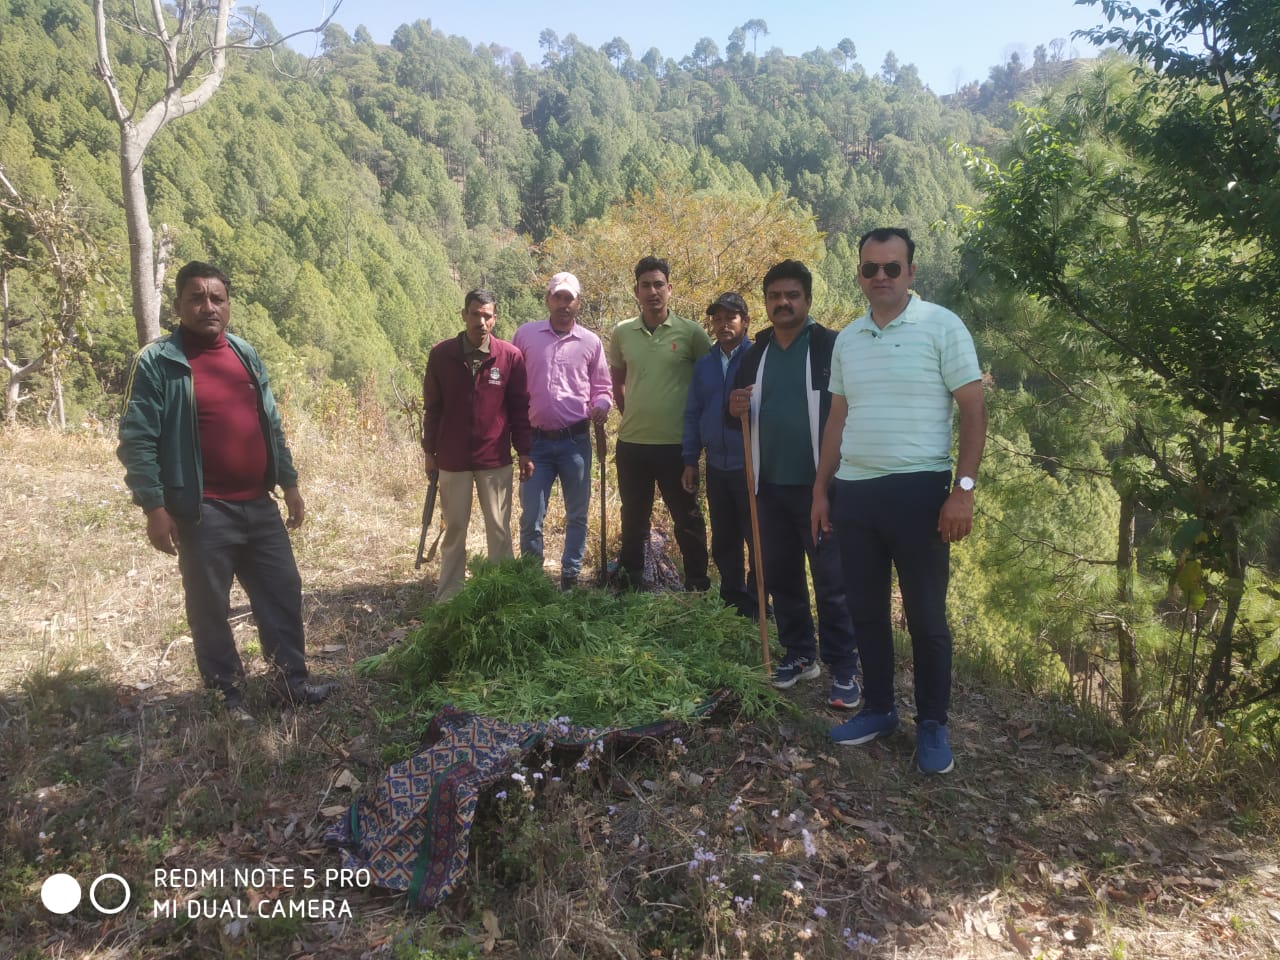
892 270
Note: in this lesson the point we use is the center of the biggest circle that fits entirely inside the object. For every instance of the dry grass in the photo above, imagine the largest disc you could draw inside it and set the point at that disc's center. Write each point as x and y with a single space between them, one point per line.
1046 842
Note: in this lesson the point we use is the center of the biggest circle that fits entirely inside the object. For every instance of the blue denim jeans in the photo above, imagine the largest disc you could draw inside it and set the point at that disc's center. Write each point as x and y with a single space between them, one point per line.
570 461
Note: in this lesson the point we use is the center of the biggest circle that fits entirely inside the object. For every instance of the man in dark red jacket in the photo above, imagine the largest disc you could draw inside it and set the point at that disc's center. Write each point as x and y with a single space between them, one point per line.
475 409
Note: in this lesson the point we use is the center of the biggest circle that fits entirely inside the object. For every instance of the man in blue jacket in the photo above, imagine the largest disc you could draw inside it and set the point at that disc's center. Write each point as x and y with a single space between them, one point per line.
203 450
705 427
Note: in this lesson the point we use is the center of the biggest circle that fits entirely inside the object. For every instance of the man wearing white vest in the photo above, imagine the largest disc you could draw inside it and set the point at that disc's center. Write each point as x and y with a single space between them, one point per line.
782 381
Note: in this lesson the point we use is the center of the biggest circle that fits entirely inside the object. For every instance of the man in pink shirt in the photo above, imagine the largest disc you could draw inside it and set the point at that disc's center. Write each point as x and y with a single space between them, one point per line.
569 389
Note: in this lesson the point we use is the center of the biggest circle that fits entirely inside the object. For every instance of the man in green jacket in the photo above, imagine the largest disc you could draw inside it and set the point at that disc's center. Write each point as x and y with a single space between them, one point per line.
203 449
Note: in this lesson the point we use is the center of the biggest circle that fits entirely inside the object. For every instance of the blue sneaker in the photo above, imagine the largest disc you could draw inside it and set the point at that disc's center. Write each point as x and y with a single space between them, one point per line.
933 751
793 668
846 693
866 725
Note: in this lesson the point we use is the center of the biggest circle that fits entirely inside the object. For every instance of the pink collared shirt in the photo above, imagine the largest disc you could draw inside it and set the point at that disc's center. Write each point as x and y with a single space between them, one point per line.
568 375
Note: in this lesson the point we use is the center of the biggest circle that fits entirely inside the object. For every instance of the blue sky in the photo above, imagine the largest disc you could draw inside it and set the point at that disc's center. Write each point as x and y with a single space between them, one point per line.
949 41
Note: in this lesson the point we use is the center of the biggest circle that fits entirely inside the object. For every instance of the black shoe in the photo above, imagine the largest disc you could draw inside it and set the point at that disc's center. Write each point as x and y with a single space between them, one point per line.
631 582
794 668
304 692
240 713
568 583
233 706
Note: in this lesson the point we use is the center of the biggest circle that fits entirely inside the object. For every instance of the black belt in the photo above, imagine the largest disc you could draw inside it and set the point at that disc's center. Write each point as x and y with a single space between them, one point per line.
564 433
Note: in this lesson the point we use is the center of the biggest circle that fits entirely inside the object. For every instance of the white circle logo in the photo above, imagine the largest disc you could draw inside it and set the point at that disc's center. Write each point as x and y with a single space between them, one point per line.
60 893
93 893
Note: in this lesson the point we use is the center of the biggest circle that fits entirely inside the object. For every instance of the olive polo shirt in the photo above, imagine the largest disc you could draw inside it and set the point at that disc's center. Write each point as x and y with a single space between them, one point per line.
659 367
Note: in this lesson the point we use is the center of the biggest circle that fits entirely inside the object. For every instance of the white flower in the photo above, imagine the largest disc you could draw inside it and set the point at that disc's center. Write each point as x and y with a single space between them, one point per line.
809 848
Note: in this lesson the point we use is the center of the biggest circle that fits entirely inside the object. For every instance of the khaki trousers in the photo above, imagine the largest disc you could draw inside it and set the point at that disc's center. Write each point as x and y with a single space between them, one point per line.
493 491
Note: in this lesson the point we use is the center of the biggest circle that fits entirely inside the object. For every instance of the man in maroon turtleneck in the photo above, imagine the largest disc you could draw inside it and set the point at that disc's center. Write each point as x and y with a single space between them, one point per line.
203 449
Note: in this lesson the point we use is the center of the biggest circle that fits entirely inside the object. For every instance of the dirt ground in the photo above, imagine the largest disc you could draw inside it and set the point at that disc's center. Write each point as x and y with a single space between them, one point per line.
1053 838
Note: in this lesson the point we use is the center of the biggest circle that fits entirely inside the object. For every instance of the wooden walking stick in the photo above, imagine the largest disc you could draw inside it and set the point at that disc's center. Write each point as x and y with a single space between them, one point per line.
755 541
600 455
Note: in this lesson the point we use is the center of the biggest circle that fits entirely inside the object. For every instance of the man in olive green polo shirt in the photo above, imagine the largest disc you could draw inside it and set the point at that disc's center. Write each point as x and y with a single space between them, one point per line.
651 358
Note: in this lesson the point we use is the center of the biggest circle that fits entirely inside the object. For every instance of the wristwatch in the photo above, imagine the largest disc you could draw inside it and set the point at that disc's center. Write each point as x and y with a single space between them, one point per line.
966 484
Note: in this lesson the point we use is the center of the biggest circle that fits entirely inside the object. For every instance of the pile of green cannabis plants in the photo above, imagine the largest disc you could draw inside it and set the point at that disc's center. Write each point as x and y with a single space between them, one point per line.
511 646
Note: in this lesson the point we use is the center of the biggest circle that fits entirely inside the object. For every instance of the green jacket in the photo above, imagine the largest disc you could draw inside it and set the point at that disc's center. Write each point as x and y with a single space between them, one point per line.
159 436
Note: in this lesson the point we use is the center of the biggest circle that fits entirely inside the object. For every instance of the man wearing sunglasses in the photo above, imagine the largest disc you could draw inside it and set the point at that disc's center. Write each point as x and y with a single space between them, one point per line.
895 373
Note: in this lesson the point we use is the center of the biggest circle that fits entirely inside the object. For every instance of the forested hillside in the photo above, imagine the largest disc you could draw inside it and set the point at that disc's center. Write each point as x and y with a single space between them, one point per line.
354 197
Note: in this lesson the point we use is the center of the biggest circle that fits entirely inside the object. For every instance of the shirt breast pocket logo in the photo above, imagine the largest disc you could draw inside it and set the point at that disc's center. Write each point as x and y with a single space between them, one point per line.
495 376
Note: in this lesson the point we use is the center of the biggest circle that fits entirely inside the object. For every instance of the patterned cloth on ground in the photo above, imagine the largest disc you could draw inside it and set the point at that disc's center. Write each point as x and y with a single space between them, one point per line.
412 834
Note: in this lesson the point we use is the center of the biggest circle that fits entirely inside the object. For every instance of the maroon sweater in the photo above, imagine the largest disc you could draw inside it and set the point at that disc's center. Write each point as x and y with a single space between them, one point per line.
233 450
471 423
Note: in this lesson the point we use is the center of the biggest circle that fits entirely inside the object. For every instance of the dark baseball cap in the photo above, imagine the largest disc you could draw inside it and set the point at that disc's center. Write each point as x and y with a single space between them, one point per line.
729 301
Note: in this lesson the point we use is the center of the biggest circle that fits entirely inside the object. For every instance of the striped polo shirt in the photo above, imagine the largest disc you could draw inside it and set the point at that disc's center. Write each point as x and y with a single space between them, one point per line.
898 383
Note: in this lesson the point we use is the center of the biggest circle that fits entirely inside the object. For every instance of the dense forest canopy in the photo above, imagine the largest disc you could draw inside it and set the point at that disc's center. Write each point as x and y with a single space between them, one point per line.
356 196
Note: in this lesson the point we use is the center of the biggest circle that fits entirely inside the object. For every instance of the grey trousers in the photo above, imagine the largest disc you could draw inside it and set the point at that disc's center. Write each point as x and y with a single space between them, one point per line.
247 540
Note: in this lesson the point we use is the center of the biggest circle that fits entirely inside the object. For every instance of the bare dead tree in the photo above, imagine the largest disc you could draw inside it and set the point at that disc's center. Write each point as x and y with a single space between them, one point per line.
193 38
63 284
